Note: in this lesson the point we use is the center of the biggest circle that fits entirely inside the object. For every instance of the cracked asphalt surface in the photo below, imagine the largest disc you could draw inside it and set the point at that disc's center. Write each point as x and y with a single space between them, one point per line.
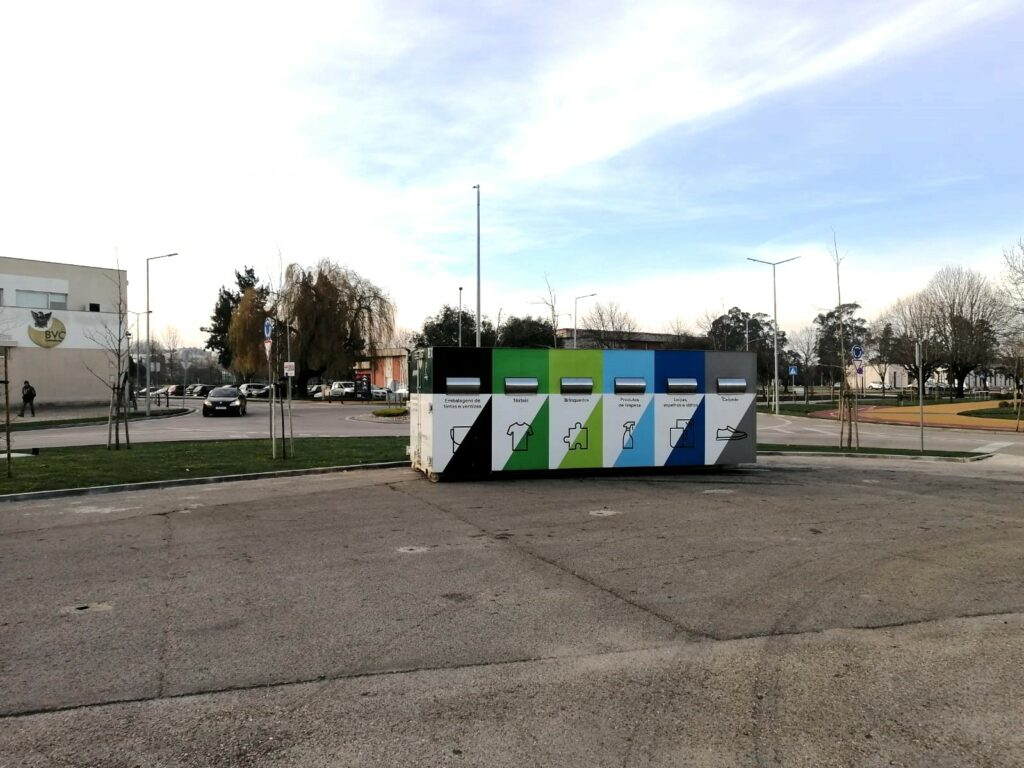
809 612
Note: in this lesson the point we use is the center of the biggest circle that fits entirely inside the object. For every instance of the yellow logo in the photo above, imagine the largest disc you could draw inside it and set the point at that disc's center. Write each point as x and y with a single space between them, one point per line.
46 331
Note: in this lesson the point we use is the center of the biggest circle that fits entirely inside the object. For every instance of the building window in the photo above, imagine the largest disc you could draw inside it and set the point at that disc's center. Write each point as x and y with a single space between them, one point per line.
41 300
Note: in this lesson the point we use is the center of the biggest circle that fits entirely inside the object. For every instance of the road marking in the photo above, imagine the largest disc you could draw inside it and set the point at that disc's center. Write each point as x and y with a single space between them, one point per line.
992 447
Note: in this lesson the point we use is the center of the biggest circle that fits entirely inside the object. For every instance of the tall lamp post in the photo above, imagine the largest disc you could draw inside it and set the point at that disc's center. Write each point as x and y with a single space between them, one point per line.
775 312
477 188
149 345
575 306
460 315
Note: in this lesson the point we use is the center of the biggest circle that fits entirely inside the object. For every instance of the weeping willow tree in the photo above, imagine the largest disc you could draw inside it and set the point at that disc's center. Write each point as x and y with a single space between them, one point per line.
335 317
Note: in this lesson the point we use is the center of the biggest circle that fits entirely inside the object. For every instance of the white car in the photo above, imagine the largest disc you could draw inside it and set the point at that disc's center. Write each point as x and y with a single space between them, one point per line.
875 385
339 390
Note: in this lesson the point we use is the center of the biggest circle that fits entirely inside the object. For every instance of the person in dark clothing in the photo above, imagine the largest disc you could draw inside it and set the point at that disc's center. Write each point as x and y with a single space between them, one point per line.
28 398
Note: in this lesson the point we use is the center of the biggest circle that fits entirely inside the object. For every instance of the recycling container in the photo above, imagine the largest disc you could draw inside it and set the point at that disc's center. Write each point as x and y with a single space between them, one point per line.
476 412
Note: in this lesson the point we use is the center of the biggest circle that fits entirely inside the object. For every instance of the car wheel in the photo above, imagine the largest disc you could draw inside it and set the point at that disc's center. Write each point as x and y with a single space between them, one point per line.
205 414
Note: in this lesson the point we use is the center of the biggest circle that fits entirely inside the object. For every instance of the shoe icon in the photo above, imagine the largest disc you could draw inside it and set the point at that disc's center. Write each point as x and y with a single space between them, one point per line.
730 433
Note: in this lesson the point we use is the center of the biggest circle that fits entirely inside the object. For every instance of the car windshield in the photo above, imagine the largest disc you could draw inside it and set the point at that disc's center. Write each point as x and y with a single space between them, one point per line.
224 392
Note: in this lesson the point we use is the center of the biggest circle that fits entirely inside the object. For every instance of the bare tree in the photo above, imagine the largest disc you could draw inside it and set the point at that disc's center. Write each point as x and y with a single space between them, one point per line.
967 317
1013 278
805 343
551 302
114 337
610 325
706 323
911 319
172 344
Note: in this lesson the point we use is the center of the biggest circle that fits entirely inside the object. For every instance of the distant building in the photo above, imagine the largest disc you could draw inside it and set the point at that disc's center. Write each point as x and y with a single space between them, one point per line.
588 339
57 318
389 367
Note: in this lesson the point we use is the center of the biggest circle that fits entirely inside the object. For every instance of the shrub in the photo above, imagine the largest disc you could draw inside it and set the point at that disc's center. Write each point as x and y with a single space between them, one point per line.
1003 404
390 413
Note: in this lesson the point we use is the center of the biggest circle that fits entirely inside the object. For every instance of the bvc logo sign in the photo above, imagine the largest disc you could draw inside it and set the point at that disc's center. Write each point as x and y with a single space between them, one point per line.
46 331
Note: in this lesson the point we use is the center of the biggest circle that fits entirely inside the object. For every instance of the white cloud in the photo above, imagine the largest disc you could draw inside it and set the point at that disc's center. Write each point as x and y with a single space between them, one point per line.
355 131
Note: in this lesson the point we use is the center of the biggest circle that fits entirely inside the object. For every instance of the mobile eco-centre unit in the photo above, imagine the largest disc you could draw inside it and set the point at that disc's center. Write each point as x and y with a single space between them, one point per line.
475 411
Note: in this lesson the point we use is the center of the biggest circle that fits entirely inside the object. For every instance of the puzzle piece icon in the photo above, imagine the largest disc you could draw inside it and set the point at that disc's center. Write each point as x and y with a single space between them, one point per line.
577 437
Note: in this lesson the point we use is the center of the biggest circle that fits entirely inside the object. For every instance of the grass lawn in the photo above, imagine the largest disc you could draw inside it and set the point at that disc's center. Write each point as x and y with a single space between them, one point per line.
993 413
56 468
802 409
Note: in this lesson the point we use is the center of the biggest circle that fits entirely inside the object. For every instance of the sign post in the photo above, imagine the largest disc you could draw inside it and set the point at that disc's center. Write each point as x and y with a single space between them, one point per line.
289 377
267 344
792 380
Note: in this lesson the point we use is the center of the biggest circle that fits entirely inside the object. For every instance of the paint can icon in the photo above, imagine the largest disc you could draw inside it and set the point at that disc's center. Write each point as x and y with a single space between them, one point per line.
458 434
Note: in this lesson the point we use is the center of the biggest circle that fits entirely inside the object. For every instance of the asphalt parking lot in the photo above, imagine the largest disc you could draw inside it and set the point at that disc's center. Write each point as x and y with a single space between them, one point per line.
809 612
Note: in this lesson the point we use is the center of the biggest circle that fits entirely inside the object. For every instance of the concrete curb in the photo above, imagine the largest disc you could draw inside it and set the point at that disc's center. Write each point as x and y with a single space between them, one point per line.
187 481
43 425
862 455
158 484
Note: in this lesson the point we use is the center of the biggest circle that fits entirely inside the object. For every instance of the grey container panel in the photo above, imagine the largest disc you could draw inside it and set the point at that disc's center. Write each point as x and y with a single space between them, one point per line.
462 385
521 385
573 385
680 386
630 385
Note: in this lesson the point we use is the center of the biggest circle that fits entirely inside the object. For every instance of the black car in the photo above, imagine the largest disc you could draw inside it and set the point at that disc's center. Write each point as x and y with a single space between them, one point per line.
224 400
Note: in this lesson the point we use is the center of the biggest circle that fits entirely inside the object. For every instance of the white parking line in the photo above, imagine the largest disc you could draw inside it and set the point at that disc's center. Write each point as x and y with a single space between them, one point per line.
992 447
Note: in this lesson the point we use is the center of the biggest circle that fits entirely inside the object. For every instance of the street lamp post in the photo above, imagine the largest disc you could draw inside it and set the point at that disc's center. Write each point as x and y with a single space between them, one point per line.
477 188
575 305
460 315
775 312
149 345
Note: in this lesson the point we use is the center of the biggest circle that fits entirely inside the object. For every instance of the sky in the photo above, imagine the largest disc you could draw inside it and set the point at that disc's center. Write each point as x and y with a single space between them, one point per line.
642 151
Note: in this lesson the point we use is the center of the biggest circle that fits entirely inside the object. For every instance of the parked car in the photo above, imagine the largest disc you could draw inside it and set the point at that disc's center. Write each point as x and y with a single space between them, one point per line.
339 390
224 400
190 390
379 393
203 390
255 390
876 385
176 390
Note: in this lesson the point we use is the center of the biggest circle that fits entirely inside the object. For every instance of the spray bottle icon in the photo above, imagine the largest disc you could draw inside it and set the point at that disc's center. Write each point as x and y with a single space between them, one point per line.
627 435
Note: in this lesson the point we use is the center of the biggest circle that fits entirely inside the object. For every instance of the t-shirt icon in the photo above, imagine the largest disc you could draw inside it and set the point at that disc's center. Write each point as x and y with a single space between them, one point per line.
520 432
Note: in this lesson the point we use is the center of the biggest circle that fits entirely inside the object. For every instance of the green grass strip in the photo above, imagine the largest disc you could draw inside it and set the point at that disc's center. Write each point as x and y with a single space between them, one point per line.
24 426
992 413
784 448
89 466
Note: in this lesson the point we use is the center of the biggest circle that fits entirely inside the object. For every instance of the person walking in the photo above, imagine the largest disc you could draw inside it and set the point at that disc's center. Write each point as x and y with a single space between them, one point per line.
28 398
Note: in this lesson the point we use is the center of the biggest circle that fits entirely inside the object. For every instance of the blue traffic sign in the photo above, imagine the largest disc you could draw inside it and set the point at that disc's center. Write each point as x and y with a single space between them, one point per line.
857 351
792 370
268 328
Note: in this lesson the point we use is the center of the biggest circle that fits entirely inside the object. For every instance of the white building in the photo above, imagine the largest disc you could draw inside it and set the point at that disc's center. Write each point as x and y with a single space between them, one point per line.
60 322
